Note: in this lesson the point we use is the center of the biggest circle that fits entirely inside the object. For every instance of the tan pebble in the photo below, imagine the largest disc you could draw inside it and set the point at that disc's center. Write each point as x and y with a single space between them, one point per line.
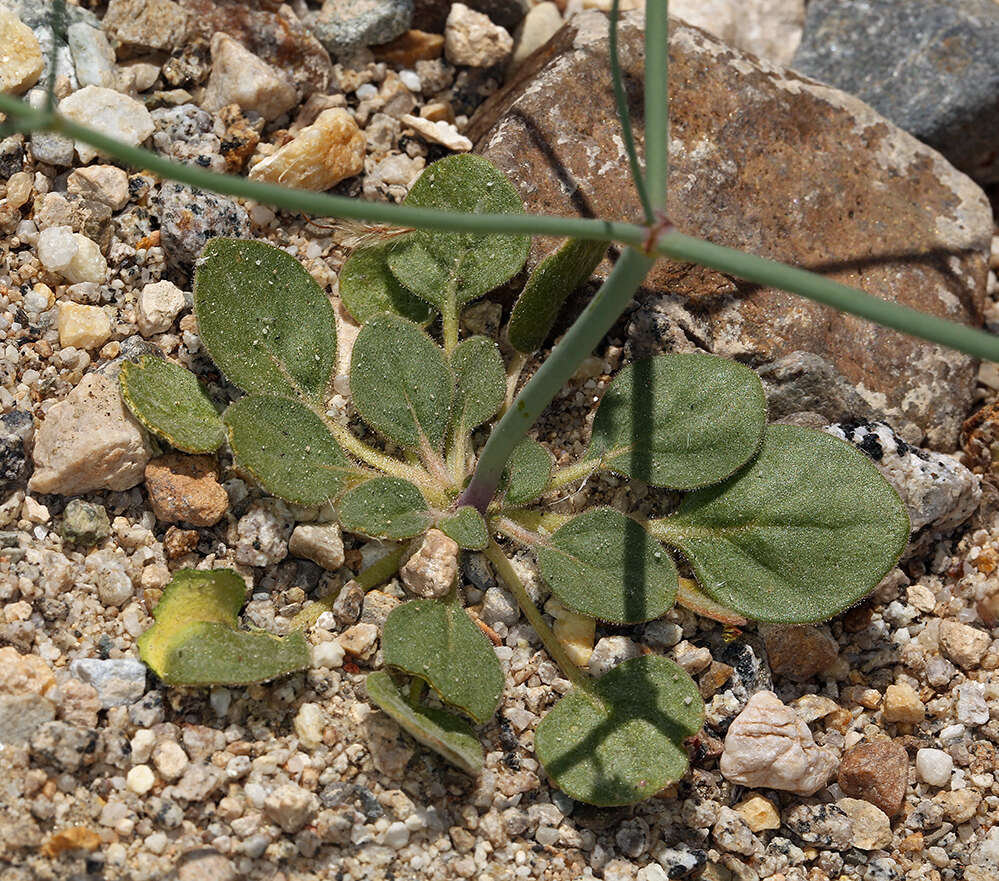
759 813
21 63
359 640
432 570
960 805
186 489
240 77
713 679
902 704
83 327
323 154
871 826
23 674
410 47
576 633
963 644
799 653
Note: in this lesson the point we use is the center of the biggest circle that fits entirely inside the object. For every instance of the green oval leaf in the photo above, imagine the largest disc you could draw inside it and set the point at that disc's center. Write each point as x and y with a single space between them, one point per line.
681 421
436 641
385 507
264 320
800 534
195 640
447 269
466 527
557 276
480 382
168 400
624 741
400 383
607 566
368 287
441 731
286 448
527 472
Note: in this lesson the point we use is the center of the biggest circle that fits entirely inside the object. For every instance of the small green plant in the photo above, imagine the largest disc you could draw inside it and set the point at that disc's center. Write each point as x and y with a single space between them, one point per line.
779 523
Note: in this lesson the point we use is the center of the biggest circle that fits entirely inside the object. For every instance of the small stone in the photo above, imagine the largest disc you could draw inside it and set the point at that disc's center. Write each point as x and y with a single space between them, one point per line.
83 327
611 651
170 759
972 708
17 429
960 805
576 632
681 861
291 807
902 704
767 745
396 836
882 869
309 725
204 864
732 833
159 304
186 489
119 681
110 112
963 644
114 587
877 772
443 133
262 535
871 826
84 523
499 607
537 28
359 640
21 715
934 766
347 605
343 26
661 634
328 654
693 658
376 608
73 255
93 57
52 149
240 77
432 570
106 184
471 38
319 157
759 813
800 652
23 674
198 783
321 543
410 47
79 703
189 218
825 825
149 24
811 707
89 441
140 779
21 63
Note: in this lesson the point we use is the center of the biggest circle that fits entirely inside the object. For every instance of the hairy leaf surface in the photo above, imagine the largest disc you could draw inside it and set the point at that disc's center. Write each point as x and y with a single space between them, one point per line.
480 382
557 276
264 320
400 383
286 448
368 287
466 527
168 400
385 507
606 565
437 641
680 421
624 742
804 531
449 270
527 472
195 639
445 733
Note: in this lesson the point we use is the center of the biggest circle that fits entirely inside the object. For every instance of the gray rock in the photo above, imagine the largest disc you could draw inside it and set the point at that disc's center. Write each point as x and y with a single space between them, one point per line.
343 26
21 715
825 825
938 491
931 67
53 149
93 57
499 606
883 869
64 745
16 431
119 682
37 15
189 218
680 861
475 569
151 24
84 523
11 155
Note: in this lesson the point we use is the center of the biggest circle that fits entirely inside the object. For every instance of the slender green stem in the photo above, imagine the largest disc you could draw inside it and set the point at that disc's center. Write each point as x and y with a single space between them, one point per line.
656 101
572 473
591 326
624 115
513 371
449 329
673 244
504 568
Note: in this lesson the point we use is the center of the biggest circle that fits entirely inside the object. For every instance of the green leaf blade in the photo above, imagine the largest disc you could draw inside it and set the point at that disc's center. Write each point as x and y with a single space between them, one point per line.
367 287
624 742
443 732
195 639
264 320
466 527
803 532
436 641
605 565
449 270
286 448
168 400
480 382
555 278
527 473
400 383
385 507
679 421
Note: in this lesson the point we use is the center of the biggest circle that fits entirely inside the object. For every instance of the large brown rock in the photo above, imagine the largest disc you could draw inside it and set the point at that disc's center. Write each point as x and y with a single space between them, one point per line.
764 160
